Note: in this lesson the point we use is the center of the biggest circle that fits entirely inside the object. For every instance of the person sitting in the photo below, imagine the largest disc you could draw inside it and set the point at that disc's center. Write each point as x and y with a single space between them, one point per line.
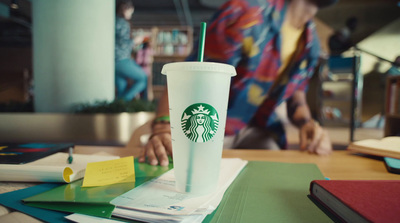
126 69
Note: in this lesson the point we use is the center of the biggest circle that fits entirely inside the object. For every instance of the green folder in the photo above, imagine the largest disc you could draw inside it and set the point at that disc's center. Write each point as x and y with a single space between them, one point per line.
270 192
95 201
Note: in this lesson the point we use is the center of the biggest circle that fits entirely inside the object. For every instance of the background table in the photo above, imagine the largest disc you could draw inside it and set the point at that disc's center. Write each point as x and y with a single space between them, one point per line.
340 165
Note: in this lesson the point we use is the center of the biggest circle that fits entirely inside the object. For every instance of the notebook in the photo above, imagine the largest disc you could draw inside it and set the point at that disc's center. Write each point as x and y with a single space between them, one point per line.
19 153
386 147
359 200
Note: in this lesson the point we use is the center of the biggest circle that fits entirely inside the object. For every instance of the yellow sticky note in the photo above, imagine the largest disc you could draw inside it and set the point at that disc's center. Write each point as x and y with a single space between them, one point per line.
109 172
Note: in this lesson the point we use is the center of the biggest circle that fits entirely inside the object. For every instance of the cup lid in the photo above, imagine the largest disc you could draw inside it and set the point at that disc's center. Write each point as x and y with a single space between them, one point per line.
199 66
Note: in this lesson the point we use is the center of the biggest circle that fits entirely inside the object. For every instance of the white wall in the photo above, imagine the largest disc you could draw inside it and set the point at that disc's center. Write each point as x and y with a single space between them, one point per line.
73 52
384 43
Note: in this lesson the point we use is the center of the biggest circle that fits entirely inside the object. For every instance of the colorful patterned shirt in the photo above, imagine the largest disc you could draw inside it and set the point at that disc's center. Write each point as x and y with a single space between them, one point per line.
246 34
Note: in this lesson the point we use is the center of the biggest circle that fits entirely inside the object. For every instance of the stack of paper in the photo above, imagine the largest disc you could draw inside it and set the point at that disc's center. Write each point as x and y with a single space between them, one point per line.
158 201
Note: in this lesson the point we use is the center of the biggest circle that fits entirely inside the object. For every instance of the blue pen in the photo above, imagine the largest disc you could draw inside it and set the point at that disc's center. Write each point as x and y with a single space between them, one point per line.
70 158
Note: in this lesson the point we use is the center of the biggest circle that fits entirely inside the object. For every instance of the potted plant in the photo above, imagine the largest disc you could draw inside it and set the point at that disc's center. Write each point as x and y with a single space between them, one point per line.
101 122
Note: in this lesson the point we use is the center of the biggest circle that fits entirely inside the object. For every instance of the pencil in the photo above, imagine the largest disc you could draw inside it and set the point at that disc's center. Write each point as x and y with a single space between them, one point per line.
70 158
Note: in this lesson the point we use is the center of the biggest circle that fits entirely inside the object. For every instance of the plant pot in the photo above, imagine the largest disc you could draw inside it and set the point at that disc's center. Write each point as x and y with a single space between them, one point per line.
86 129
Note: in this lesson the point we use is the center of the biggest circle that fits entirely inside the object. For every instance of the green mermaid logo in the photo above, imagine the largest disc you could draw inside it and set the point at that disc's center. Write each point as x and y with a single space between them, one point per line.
200 122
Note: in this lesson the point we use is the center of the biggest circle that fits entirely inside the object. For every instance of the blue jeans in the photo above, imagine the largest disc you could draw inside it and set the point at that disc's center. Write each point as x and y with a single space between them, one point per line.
125 70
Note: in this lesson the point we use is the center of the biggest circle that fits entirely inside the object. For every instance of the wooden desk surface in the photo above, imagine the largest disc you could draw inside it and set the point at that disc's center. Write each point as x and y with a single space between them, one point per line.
341 165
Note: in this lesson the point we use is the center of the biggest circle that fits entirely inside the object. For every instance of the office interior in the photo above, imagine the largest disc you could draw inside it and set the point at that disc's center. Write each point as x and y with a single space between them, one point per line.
77 40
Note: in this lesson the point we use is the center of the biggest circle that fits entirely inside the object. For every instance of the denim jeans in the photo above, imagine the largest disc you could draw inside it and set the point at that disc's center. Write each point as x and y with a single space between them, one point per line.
125 70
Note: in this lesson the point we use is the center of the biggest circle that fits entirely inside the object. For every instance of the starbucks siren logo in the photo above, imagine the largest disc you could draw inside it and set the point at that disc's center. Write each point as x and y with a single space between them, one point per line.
200 122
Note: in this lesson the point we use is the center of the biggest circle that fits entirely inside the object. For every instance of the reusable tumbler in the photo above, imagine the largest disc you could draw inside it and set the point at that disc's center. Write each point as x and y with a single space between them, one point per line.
198 98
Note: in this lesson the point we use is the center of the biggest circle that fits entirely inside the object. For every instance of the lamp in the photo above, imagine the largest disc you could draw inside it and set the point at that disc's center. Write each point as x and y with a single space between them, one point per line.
14 4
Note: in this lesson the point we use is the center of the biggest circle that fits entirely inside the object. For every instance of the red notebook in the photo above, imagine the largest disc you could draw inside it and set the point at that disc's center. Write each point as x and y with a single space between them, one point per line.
359 200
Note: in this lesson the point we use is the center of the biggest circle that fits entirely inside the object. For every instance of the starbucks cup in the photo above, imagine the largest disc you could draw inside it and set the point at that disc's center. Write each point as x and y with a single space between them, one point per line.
198 99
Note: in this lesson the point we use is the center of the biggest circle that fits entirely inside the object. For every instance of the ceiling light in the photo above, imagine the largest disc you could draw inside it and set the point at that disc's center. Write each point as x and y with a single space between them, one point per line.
14 6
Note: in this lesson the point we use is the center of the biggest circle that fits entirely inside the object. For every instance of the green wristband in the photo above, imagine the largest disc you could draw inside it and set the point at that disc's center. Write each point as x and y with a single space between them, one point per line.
160 120
164 118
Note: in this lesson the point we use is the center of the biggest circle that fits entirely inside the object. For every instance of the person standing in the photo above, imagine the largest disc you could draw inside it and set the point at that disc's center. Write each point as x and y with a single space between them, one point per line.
126 69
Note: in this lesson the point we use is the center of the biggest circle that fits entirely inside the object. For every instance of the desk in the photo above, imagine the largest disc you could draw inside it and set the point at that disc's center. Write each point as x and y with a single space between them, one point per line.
341 165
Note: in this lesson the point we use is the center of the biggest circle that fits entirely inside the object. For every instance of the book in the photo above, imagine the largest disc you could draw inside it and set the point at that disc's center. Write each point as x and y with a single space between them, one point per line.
386 147
393 94
359 200
53 168
19 153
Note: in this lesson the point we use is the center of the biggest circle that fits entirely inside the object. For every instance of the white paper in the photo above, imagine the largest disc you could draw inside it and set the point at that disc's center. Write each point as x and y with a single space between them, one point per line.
158 200
81 218
50 168
156 217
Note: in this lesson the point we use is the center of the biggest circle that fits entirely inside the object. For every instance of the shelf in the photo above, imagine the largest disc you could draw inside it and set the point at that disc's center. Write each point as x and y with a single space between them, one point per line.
340 80
335 122
339 92
393 116
344 99
167 41
168 58
168 44
392 120
172 41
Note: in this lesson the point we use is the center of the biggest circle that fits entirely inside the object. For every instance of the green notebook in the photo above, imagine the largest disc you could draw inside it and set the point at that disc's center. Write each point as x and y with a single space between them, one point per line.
95 201
270 192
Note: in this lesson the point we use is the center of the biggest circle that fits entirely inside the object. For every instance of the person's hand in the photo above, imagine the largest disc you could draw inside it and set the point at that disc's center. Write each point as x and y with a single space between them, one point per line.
159 146
315 139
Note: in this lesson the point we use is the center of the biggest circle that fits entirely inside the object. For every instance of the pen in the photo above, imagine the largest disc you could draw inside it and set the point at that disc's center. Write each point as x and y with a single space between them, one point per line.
70 158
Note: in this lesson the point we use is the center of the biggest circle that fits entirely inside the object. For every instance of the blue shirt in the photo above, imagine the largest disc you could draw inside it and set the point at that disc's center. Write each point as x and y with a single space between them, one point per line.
123 41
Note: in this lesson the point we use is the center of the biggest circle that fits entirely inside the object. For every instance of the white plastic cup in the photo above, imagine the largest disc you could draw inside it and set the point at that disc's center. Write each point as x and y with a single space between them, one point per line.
198 99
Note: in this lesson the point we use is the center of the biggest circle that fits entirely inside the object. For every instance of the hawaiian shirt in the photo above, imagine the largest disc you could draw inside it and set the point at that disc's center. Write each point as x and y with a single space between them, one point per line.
123 42
246 34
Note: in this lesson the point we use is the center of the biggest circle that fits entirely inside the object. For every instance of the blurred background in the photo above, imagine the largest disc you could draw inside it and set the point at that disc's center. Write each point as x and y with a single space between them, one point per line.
56 54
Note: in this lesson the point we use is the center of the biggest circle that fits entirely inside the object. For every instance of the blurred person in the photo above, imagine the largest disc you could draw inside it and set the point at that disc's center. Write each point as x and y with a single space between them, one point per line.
395 68
274 47
144 57
341 40
126 69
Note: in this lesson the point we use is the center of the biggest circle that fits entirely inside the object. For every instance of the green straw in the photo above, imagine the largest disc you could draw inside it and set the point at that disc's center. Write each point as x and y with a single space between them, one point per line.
200 56
202 38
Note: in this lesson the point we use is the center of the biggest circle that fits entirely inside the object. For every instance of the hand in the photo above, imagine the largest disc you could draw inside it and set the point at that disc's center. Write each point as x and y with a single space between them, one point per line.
315 139
159 146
